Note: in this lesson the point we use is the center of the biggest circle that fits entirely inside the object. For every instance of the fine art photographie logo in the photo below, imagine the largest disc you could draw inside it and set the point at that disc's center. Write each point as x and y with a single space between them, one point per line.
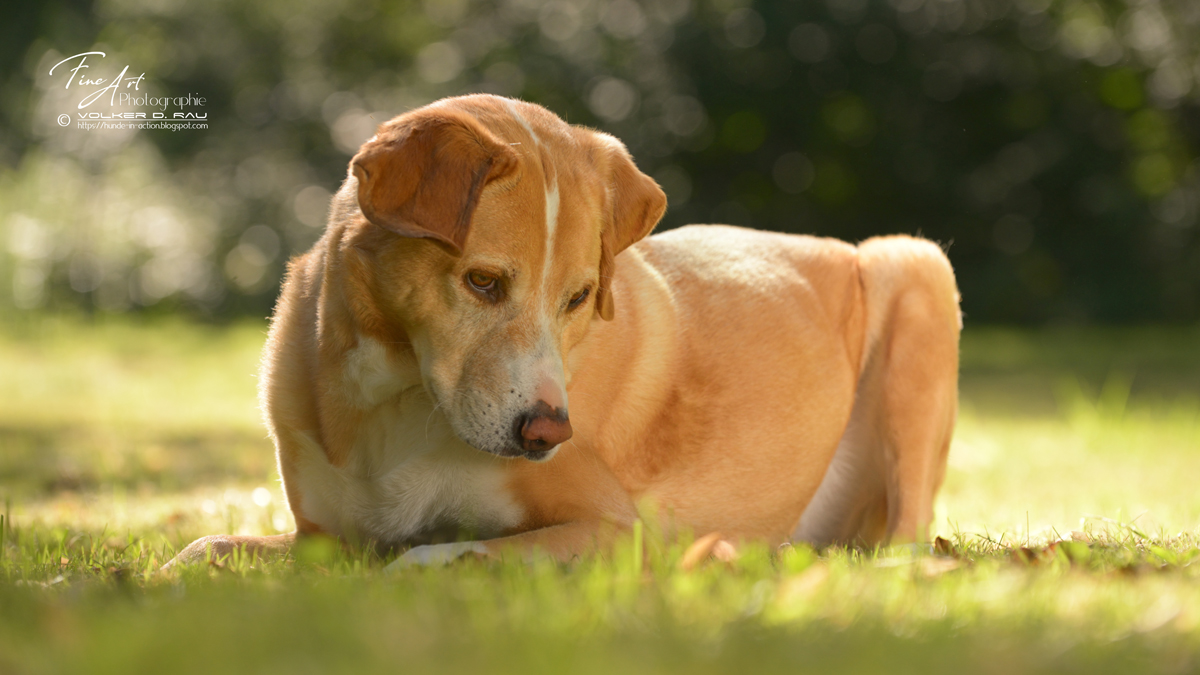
121 102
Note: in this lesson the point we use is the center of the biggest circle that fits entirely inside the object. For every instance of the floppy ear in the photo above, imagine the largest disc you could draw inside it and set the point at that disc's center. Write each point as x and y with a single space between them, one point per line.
635 205
422 176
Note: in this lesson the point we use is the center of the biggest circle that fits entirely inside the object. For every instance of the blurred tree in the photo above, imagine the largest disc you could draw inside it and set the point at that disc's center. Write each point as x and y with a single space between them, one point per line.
1050 147
1049 144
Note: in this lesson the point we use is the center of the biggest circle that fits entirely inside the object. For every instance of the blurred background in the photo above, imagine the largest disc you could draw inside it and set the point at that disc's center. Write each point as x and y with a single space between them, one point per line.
1050 145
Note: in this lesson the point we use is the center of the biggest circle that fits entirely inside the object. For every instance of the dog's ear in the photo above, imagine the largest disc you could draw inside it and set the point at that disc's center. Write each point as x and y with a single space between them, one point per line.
422 176
635 205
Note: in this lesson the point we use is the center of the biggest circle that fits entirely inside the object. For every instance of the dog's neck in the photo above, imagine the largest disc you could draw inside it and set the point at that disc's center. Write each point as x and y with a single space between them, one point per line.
375 374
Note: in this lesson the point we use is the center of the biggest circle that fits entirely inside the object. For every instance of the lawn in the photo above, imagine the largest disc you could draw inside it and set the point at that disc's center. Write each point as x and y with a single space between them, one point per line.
1069 522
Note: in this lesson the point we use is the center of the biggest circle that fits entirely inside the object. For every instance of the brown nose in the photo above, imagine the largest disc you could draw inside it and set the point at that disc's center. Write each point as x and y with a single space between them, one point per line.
543 427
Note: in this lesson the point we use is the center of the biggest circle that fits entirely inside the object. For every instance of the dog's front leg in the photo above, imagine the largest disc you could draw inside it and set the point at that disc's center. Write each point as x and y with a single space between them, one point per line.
219 546
562 542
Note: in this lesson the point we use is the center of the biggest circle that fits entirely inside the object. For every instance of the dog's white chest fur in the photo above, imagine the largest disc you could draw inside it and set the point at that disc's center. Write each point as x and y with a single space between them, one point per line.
409 477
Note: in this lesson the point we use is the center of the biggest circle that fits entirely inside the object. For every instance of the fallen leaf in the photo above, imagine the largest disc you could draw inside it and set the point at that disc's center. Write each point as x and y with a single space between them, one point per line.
942 546
1025 555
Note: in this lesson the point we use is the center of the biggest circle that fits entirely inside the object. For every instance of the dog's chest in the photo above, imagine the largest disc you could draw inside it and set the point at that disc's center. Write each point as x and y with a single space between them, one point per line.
409 479
418 481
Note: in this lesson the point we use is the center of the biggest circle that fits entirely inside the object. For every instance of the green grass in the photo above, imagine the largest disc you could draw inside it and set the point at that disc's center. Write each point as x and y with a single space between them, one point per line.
1070 517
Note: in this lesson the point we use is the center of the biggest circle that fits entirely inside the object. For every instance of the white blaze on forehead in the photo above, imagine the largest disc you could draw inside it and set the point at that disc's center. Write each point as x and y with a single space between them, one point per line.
544 363
546 367
552 199
551 230
512 109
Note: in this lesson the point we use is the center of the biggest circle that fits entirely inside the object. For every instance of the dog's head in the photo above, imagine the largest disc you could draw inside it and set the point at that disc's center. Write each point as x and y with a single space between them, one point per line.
488 236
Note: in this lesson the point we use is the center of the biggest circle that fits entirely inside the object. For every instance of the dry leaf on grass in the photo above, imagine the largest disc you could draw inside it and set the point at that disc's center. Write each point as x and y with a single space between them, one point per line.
942 546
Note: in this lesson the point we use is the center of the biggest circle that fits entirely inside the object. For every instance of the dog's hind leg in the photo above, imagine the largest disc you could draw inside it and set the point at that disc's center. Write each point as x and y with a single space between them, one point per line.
850 505
909 286
890 462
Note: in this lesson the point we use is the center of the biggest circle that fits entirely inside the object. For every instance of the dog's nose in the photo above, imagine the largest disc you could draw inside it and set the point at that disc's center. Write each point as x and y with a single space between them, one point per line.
543 427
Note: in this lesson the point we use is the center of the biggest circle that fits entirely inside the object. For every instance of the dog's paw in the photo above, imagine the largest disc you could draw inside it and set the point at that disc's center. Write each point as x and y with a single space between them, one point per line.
436 554
212 547
710 546
217 547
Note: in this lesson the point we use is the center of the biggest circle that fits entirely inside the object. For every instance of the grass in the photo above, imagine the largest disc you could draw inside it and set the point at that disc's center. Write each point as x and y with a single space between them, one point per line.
1069 519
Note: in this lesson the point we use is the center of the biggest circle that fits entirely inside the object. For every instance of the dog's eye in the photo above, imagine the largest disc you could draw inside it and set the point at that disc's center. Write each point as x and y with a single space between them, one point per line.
578 299
484 283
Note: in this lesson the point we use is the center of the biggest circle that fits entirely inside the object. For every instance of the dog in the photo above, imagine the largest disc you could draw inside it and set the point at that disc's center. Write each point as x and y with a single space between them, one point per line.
485 342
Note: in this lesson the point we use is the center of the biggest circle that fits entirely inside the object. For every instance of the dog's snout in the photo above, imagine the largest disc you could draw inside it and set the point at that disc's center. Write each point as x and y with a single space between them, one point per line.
550 393
543 427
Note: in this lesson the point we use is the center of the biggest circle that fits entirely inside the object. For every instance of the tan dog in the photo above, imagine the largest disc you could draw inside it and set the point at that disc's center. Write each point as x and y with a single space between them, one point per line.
465 351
